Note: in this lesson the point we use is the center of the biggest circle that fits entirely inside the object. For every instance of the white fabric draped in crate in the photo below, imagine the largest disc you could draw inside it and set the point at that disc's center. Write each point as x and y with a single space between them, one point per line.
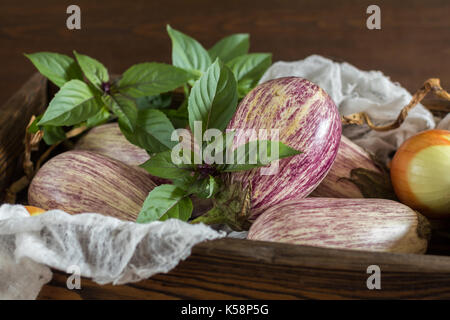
105 249
354 90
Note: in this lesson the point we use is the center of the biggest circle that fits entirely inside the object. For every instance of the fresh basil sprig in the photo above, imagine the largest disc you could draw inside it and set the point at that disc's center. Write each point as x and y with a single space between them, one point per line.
99 99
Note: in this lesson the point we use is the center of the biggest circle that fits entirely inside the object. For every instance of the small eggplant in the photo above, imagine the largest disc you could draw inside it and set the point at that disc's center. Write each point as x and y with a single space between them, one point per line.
109 141
83 181
355 174
358 224
307 120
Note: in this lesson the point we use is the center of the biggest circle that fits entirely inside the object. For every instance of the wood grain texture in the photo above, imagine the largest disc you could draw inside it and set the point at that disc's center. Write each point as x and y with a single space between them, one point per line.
240 269
413 44
30 100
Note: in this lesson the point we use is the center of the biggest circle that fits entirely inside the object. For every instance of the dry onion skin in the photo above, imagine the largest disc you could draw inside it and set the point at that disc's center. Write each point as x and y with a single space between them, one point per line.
420 173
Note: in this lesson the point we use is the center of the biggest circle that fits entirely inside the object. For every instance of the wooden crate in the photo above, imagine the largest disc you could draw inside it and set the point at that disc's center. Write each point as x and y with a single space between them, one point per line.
242 269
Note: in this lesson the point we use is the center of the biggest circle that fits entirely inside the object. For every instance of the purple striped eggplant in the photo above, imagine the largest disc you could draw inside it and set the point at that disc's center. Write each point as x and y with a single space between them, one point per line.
359 224
109 141
83 181
308 120
354 174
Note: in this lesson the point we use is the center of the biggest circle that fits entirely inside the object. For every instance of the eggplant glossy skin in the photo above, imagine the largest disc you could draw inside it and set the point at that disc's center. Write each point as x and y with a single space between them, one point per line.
357 224
307 120
83 181
109 141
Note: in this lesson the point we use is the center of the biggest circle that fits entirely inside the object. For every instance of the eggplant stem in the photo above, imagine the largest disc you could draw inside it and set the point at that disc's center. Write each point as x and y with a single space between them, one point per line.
213 216
218 216
431 85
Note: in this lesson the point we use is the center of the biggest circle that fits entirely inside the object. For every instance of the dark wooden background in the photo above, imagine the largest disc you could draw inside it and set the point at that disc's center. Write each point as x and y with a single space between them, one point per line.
413 44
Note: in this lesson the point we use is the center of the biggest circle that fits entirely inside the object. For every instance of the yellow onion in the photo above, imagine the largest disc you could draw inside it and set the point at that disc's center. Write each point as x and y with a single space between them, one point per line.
420 173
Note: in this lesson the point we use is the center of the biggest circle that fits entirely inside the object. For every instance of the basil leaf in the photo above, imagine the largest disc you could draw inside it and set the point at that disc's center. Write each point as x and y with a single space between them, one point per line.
179 118
153 131
246 158
53 134
124 108
164 202
146 79
245 86
213 98
230 47
160 101
248 69
205 188
73 103
94 70
182 211
161 165
185 182
101 117
58 68
188 53
220 146
251 65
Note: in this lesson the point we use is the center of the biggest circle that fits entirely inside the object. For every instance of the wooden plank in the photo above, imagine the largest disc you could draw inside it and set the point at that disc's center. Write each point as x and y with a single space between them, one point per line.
412 45
30 100
243 269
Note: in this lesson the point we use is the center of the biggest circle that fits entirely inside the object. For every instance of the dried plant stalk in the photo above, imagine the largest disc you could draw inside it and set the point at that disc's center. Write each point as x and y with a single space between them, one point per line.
31 142
431 85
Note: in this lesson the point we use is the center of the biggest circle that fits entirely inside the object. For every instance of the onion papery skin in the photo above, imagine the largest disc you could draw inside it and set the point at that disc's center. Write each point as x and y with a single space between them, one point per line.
356 224
82 181
420 173
308 120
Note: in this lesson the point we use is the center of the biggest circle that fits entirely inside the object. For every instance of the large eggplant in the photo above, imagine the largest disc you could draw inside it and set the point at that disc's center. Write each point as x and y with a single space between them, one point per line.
360 224
354 174
108 140
83 181
308 120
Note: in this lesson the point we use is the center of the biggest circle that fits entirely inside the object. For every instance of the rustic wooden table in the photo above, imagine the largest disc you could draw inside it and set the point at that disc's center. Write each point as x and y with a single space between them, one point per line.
413 45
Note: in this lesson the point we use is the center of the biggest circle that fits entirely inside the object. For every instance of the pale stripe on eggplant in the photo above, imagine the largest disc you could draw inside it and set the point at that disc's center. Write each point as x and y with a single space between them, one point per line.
308 120
359 224
82 181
